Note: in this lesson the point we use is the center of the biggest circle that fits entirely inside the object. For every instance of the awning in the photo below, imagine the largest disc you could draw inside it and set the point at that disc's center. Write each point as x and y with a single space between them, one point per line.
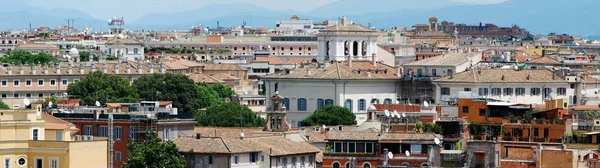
591 133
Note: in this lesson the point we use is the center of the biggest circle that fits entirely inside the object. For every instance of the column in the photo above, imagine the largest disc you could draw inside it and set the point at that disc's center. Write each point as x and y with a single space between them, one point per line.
360 49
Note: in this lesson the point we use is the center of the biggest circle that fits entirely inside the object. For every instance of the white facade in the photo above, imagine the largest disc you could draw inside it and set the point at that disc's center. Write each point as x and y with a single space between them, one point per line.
265 68
297 161
292 25
442 66
345 93
129 51
337 48
526 98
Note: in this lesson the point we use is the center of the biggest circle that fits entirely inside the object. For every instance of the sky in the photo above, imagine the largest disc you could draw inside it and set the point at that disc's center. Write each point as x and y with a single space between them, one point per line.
133 9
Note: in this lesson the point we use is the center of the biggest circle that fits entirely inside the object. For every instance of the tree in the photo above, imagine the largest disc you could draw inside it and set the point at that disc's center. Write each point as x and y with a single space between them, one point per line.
177 88
207 96
154 153
330 115
98 86
229 115
3 105
433 128
419 126
84 55
224 92
24 57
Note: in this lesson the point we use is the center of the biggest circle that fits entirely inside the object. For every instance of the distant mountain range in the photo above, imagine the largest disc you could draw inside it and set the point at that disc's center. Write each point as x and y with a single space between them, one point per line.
537 16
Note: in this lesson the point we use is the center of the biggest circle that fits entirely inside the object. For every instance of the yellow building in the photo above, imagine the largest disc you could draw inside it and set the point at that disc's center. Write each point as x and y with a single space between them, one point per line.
32 139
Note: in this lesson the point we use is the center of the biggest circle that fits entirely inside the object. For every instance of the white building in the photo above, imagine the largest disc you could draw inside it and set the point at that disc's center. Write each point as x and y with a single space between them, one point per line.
337 43
441 66
514 86
127 49
297 25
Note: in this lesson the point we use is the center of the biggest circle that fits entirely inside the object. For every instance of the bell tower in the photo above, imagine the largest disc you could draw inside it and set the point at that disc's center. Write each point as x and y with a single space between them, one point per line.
276 115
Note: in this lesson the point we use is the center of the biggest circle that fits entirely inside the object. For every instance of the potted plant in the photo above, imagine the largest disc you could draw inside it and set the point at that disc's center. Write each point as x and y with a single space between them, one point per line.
419 127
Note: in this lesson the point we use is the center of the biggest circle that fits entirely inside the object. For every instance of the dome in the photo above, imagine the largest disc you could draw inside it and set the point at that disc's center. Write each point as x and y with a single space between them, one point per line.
74 52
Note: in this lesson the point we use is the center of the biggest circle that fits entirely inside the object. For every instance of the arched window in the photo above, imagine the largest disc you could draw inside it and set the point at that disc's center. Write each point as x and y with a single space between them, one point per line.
329 102
374 101
301 104
387 101
361 104
335 165
286 103
355 48
367 165
349 165
320 104
348 104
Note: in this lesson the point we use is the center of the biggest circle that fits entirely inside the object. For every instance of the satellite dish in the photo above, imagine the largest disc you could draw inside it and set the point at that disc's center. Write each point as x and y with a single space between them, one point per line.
425 104
324 127
407 153
50 104
387 113
583 92
97 104
437 141
26 101
397 102
242 134
403 114
390 155
396 114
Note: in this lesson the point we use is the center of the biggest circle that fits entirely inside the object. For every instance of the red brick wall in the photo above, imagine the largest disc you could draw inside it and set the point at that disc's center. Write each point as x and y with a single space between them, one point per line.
328 162
557 158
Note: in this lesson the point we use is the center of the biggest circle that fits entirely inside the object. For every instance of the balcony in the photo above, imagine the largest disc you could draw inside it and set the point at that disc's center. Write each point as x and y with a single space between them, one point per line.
354 154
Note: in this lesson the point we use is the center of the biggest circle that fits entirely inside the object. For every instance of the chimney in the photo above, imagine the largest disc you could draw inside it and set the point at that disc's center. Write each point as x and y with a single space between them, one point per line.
94 68
140 68
350 62
46 69
33 69
9 68
81 68
70 67
374 59
399 72
151 68
128 68
528 76
502 77
116 68
162 67
21 71
343 21
369 74
57 68
104 67
325 65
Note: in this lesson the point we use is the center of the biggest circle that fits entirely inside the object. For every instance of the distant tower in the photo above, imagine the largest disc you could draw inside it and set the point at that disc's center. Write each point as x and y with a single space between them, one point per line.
116 25
276 115
433 23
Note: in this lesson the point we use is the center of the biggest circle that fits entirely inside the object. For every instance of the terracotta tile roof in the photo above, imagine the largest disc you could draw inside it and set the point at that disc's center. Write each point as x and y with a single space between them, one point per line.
113 104
224 77
273 60
54 123
449 59
298 60
547 60
204 78
64 70
355 136
55 126
279 146
346 28
409 136
225 131
338 70
585 107
36 46
202 145
495 75
237 145
523 58
164 103
397 107
223 67
123 41
181 64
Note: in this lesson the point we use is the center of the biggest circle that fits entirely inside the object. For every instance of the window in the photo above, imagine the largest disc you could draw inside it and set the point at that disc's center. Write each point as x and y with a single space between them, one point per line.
41 95
467 89
35 134
254 157
75 80
520 91
276 86
286 103
40 82
301 104
175 132
361 104
166 131
546 132
302 160
4 83
118 133
118 156
284 162
508 91
335 165
235 160
27 94
329 102
348 104
481 112
16 83
535 91
88 130
21 161
132 133
39 162
465 109
102 131
4 96
367 165
7 162
445 91
434 72
291 48
262 158
547 92
293 161
135 50
53 163
310 160
209 160
59 135
52 82
320 104
561 91
536 132
197 160
387 101
65 82
16 95
496 91
28 82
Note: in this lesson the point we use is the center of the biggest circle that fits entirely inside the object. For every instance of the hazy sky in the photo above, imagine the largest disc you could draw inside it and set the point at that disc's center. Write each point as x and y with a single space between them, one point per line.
133 9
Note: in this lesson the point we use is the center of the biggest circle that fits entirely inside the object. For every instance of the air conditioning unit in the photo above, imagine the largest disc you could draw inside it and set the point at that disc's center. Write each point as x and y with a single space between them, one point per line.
85 138
91 137
78 138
